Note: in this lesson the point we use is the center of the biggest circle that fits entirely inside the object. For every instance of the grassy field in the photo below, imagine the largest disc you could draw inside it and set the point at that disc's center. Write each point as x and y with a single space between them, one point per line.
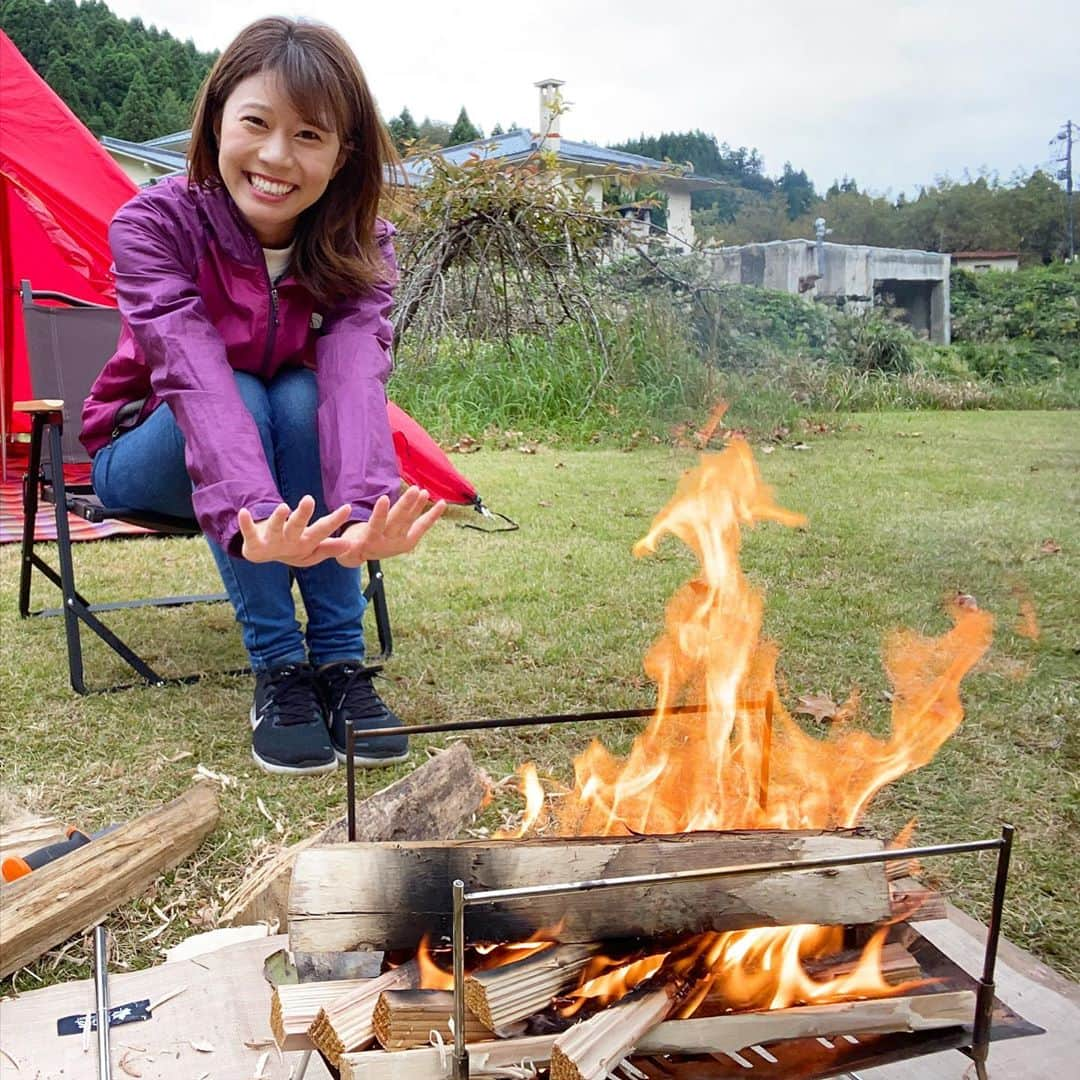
905 511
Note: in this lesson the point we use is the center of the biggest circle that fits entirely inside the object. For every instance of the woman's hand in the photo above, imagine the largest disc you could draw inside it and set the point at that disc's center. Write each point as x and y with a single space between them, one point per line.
292 537
390 531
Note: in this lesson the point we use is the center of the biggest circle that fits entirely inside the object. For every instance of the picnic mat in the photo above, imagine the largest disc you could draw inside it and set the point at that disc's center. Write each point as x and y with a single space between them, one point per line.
11 515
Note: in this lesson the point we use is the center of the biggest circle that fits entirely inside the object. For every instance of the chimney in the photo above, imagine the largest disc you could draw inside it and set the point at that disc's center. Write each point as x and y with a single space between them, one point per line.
550 102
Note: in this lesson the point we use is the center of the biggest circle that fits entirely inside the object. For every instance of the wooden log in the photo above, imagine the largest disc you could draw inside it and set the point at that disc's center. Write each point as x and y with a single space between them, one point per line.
385 896
294 1007
591 1049
431 803
715 1034
915 902
404 1019
345 1023
64 897
501 995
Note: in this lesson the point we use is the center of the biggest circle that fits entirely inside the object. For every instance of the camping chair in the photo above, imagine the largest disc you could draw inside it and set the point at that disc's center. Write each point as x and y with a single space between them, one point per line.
68 346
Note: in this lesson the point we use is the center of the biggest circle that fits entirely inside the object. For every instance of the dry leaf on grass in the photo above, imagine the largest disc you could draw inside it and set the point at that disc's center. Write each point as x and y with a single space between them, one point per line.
820 706
1050 547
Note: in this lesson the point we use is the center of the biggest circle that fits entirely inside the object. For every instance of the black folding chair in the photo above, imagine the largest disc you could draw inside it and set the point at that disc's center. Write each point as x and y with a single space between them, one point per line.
68 342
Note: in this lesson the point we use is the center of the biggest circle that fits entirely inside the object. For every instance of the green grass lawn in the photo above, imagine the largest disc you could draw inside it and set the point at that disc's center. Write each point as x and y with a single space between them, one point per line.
905 510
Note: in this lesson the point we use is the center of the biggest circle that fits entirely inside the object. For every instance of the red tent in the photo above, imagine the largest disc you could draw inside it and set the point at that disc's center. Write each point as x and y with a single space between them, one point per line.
59 190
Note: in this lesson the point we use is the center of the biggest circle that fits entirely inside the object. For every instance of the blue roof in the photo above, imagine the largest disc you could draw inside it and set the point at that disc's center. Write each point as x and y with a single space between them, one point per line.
517 145
166 159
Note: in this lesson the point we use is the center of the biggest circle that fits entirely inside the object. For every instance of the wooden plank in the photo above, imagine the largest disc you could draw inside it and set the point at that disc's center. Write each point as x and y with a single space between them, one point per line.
64 897
431 803
22 832
225 1003
382 896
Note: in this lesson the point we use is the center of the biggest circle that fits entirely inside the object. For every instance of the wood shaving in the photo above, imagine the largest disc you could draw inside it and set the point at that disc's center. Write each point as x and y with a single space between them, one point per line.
202 1047
127 1066
258 1044
260 1066
203 773
14 1063
166 997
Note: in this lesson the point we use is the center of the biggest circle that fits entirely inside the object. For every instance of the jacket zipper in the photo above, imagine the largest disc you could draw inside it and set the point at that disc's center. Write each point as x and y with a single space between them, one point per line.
272 330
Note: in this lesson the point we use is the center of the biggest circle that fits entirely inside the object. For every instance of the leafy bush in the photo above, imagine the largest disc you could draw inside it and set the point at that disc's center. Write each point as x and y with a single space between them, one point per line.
871 341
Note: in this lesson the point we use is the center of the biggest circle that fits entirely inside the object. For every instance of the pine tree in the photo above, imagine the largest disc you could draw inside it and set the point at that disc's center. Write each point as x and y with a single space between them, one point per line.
403 129
138 119
463 130
497 130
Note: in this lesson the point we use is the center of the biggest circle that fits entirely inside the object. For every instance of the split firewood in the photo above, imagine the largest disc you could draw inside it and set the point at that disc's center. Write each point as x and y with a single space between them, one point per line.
404 1019
431 803
501 995
78 890
915 902
714 1034
591 1049
897 964
294 1006
877 1016
345 1023
388 896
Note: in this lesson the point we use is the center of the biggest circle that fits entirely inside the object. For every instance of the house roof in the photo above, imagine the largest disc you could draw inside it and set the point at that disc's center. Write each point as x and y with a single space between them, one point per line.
177 141
147 152
518 145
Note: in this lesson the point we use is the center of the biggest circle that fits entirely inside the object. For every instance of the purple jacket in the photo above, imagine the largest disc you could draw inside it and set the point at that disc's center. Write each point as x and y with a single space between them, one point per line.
197 304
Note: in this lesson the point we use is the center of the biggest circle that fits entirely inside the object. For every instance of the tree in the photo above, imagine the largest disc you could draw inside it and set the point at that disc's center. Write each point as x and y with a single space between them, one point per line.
403 129
138 120
435 132
463 130
497 130
798 189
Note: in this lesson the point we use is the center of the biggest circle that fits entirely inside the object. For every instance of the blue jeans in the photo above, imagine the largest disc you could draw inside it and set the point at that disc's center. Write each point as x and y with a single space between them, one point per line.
144 469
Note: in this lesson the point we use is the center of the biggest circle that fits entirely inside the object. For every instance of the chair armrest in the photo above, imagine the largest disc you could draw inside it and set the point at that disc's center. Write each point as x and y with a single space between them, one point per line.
41 405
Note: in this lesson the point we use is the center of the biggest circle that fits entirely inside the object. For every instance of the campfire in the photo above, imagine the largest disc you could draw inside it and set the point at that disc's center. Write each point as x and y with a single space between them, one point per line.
687 960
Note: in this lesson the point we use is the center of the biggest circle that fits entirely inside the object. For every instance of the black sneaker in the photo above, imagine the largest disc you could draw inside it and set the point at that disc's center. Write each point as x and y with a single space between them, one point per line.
350 696
289 733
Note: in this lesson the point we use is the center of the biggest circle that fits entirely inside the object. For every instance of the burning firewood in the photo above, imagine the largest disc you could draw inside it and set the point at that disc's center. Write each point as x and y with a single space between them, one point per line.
501 995
714 1034
591 1049
295 1005
387 896
345 1022
404 1019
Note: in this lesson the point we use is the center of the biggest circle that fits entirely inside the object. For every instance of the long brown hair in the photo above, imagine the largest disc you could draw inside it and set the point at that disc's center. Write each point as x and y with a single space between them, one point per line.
336 253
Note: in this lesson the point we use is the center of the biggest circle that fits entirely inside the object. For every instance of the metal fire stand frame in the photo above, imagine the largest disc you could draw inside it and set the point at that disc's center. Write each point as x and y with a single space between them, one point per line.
984 1001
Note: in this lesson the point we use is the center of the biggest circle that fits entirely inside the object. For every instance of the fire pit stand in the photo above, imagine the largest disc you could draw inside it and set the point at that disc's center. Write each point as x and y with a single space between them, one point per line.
984 1010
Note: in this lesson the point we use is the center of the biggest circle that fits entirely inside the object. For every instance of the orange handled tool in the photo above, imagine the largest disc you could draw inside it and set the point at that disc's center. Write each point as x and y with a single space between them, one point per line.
15 867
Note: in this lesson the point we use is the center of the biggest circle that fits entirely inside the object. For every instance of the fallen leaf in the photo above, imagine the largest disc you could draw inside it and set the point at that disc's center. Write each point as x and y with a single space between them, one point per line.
544 503
820 706
202 1047
1050 547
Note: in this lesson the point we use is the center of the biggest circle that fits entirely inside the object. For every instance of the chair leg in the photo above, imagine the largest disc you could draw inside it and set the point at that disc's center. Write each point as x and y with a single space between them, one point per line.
30 507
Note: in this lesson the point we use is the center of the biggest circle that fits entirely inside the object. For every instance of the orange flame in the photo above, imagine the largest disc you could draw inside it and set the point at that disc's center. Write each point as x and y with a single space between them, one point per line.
744 762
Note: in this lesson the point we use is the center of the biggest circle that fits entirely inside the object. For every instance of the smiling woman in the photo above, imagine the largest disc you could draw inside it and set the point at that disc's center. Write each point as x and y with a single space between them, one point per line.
249 384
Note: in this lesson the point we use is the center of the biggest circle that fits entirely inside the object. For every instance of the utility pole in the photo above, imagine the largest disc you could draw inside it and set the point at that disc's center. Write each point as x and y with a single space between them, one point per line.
1065 135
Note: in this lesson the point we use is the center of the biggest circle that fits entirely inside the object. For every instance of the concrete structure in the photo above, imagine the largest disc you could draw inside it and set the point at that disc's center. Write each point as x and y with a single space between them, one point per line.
979 262
917 282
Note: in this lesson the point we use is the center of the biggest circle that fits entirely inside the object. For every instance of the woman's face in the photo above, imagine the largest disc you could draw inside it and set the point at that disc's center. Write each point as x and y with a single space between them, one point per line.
273 162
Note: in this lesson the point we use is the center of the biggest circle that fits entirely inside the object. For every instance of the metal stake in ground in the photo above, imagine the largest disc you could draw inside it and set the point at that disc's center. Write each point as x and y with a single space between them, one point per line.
101 995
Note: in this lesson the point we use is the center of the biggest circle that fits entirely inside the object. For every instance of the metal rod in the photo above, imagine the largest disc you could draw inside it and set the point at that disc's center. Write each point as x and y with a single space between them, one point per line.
461 1054
101 996
526 721
984 999
492 896
350 779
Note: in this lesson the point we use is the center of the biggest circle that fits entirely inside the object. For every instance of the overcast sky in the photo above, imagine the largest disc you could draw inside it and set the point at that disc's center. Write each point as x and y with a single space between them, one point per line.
893 94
